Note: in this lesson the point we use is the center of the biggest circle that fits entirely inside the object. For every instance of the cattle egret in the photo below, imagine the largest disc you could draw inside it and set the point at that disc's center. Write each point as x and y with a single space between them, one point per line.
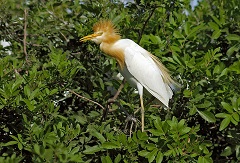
139 67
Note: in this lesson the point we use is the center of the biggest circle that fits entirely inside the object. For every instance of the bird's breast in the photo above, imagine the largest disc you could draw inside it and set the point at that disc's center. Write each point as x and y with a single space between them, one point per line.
114 51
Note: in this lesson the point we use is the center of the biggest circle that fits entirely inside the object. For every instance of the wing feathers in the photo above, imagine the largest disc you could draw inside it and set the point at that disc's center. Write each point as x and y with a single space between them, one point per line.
148 71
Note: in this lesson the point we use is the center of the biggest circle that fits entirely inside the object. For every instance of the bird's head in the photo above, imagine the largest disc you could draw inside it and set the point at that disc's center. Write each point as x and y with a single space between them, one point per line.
104 31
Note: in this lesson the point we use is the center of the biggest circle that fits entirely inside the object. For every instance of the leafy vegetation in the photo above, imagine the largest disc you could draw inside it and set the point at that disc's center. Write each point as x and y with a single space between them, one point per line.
43 120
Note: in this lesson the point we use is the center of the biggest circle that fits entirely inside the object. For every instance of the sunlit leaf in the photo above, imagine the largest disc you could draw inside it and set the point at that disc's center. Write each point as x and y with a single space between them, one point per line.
225 123
92 150
159 158
227 107
207 115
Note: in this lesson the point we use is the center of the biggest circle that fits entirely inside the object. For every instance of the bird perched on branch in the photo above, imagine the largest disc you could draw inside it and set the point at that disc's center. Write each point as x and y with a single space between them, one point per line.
139 67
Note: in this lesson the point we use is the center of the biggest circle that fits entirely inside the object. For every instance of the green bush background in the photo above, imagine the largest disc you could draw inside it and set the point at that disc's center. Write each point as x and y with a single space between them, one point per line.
42 121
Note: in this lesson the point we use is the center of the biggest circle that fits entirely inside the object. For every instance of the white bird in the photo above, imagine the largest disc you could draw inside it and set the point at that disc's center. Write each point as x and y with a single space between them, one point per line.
138 66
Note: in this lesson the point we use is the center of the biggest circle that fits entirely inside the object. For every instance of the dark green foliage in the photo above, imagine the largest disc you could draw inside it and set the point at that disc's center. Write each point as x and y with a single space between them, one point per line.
41 120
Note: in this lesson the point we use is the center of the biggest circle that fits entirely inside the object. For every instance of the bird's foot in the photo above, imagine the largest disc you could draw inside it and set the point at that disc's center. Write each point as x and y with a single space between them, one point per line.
131 119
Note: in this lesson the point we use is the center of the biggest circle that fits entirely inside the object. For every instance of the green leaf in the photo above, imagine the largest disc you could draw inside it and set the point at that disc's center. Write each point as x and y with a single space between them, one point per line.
235 116
151 156
36 148
80 119
224 72
150 146
17 84
53 91
225 123
227 107
207 115
106 159
175 48
20 146
196 29
222 115
29 104
206 104
117 19
202 159
237 149
177 58
177 34
216 34
155 39
75 150
33 94
110 145
214 26
14 137
159 158
216 69
216 20
143 153
226 152
92 150
155 132
158 124
234 121
98 135
185 130
231 37
233 49
187 28
117 159
24 118
27 91
10 143
142 135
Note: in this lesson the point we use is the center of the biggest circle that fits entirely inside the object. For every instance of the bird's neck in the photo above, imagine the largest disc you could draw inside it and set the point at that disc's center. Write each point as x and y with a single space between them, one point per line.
113 51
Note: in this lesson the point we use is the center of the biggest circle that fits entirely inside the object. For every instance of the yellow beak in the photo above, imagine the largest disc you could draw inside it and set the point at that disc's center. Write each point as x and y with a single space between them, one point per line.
89 37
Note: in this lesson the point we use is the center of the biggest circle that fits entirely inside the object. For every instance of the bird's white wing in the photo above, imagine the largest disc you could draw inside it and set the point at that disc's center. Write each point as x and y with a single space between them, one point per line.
140 64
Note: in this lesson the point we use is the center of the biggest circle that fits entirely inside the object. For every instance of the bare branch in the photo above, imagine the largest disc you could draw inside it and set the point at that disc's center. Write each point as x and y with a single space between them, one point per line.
85 98
118 92
144 25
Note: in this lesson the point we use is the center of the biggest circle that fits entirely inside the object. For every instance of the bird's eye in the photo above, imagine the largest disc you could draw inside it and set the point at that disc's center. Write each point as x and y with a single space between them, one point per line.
99 33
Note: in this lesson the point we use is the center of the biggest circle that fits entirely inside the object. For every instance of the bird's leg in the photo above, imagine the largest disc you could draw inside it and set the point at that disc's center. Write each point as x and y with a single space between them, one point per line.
147 103
142 111
130 131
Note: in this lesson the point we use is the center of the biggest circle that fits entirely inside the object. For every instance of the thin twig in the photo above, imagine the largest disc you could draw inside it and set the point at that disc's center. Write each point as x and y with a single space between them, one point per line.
85 98
64 36
25 35
111 100
118 92
145 24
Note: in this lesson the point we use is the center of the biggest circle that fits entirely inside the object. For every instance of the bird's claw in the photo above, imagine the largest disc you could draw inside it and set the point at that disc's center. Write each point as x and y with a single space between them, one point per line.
133 120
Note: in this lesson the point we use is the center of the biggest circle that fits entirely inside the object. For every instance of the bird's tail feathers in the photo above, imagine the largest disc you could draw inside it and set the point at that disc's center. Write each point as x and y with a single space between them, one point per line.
175 87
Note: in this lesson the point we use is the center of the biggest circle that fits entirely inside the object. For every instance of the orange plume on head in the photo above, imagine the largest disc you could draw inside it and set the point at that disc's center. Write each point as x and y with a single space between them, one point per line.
105 26
111 34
